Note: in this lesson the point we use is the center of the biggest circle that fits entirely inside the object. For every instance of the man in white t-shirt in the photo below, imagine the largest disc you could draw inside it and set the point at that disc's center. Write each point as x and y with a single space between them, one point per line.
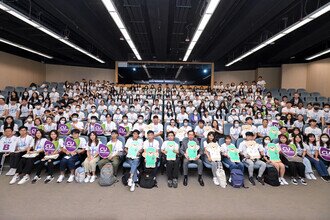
313 129
8 144
3 108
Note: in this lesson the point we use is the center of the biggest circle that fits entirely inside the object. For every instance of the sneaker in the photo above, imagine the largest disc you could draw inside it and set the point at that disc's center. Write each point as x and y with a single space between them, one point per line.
325 178
284 181
261 180
308 176
60 178
71 178
280 180
35 179
132 187
302 181
175 183
216 181
229 180
129 182
87 178
93 178
252 181
312 176
294 181
169 183
24 180
14 179
49 179
11 172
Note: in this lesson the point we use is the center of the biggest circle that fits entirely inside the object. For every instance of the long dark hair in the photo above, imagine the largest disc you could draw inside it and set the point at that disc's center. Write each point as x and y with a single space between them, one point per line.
311 135
301 140
55 132
325 143
208 135
42 136
90 140
6 124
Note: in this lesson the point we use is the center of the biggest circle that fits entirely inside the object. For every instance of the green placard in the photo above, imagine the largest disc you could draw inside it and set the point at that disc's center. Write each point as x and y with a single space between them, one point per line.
151 157
273 132
233 153
77 140
127 128
132 151
273 152
192 153
170 154
110 147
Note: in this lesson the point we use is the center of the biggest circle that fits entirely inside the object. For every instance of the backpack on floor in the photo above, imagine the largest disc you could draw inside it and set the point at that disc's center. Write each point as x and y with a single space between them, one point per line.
125 178
237 178
106 175
271 177
221 175
79 175
147 179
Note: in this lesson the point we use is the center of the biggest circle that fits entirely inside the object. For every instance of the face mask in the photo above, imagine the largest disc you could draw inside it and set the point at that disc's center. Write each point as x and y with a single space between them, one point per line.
45 90
62 121
93 121
233 113
105 113
278 117
54 90
34 88
29 119
259 116
74 119
125 121
140 121
93 109
67 110
267 141
40 98
26 94
243 113
118 112
185 124
236 125
38 107
77 109
326 109
269 117
325 139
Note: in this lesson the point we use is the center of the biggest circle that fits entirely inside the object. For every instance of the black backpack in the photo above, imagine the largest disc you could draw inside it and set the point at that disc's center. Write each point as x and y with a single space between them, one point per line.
147 179
271 177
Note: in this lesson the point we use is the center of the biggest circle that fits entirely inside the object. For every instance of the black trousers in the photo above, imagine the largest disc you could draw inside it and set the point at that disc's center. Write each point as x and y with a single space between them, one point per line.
26 165
49 164
172 168
296 169
14 159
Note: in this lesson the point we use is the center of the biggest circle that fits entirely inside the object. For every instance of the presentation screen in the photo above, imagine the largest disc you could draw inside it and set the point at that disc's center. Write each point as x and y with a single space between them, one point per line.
166 72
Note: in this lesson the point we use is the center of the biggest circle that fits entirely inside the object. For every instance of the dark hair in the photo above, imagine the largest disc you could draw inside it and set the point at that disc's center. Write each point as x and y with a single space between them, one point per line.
55 132
170 132
22 127
114 131
42 135
75 131
323 143
150 132
6 124
90 140
311 135
282 135
263 140
208 135
294 140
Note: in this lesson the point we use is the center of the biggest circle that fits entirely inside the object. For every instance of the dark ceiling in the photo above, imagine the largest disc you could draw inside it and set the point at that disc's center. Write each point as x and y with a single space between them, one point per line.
159 29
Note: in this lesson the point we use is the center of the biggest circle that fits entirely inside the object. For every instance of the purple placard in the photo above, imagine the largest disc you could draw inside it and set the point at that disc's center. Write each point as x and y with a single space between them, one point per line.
49 147
324 153
63 128
287 150
70 144
5 147
104 151
122 131
33 131
98 129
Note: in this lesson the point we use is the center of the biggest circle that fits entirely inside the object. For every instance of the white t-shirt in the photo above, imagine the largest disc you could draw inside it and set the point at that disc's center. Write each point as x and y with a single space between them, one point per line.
214 152
117 147
139 146
23 143
8 144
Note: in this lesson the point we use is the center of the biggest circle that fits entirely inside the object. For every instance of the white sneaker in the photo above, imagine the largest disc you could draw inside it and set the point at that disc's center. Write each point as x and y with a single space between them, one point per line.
280 180
10 172
60 178
87 178
71 178
48 179
308 176
14 179
312 176
24 180
284 181
35 179
229 180
132 187
93 178
129 182
216 181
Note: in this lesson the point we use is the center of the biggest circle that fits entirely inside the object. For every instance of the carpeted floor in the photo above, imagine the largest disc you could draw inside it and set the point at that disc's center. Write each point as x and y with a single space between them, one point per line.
90 201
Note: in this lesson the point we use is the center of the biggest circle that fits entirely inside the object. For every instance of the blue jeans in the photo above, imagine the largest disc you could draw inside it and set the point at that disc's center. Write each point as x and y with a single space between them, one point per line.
68 163
134 163
233 165
319 166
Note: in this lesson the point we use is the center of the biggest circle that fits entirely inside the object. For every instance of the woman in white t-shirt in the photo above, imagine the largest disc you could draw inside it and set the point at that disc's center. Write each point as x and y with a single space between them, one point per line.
212 152
172 127
92 158
33 154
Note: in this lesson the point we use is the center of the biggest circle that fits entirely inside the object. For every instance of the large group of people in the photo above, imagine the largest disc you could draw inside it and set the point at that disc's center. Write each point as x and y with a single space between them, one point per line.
182 127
